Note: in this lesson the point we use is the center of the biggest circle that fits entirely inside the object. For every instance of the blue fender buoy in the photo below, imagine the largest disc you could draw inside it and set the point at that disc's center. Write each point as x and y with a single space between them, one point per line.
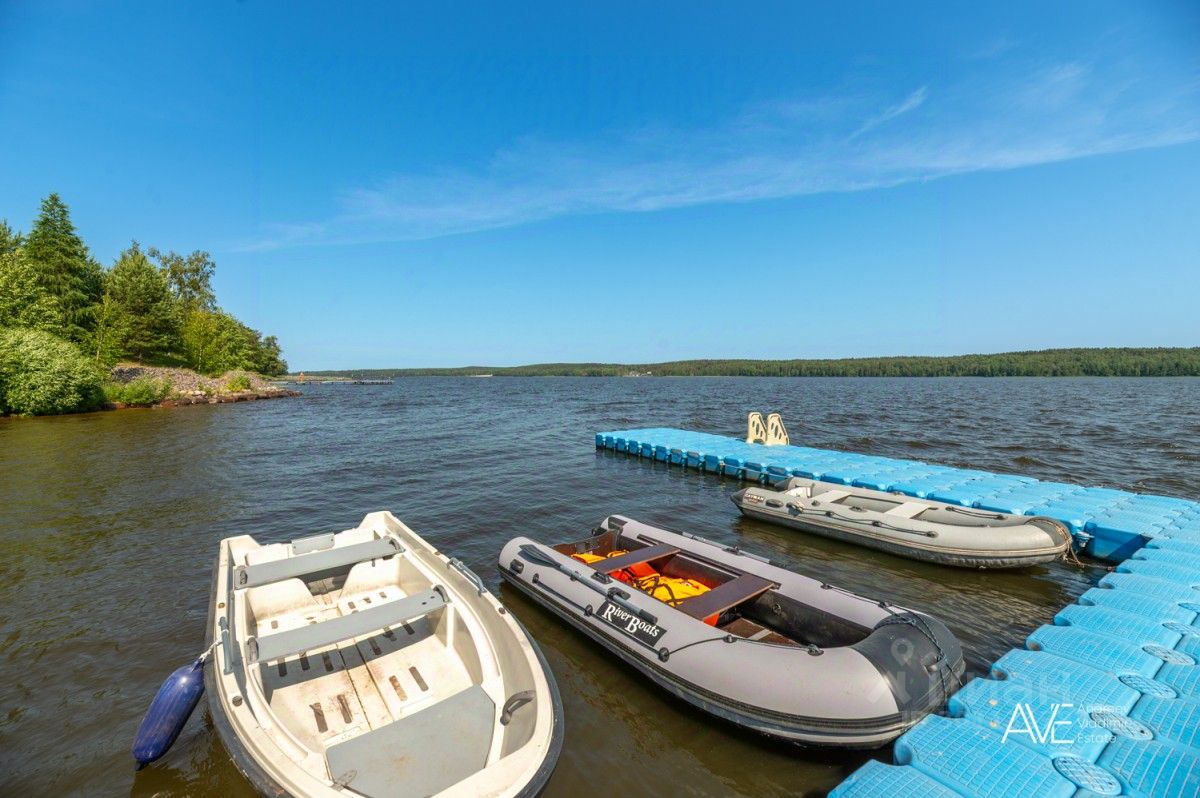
168 712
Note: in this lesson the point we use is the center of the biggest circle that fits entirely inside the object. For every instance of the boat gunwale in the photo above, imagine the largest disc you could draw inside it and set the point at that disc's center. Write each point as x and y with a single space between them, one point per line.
784 726
728 560
1015 558
260 778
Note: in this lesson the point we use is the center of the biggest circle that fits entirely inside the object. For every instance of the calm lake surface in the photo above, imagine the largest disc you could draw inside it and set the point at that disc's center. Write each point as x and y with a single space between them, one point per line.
109 524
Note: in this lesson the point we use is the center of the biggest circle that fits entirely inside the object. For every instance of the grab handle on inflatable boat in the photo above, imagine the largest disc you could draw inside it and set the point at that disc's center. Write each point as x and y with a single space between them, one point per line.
621 599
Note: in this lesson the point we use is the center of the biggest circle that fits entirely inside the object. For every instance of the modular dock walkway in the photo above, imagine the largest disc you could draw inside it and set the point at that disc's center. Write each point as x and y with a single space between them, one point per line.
1105 701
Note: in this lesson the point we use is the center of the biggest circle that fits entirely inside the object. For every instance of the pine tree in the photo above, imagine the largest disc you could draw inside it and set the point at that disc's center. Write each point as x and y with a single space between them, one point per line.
10 240
64 267
146 316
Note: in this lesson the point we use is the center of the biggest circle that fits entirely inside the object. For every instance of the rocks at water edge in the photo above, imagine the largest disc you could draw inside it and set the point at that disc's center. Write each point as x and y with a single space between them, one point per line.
190 388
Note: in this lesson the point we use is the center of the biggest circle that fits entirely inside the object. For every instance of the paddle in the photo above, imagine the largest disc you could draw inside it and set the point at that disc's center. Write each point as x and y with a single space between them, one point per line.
613 594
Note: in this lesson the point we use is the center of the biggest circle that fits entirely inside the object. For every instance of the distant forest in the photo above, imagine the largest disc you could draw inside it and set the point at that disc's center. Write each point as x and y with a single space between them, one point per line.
1110 362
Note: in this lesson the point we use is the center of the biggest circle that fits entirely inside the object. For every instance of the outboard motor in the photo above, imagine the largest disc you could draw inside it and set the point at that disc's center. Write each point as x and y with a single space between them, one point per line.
168 713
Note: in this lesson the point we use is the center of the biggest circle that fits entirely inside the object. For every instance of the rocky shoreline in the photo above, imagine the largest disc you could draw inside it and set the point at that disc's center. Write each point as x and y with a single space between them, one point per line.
189 388
221 399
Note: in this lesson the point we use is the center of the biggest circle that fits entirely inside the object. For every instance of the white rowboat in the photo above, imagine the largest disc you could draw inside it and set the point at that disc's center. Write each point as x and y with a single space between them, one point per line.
367 663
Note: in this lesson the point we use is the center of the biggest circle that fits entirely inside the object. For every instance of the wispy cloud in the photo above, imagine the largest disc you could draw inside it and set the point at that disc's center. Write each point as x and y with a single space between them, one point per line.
910 103
783 149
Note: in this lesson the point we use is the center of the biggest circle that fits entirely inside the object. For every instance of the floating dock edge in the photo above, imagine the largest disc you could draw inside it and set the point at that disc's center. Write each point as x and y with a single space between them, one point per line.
1104 701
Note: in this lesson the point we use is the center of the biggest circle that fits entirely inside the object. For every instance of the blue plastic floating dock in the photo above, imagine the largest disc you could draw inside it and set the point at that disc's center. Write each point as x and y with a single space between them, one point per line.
1107 524
1105 701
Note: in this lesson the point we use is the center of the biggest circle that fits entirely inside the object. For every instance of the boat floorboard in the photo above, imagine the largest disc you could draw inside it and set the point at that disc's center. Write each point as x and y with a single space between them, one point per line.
349 688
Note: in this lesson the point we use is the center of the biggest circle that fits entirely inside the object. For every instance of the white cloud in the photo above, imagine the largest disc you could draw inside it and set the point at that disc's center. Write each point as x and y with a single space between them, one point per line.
784 149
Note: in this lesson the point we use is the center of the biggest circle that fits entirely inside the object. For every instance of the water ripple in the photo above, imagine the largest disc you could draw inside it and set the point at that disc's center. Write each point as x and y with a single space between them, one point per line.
111 522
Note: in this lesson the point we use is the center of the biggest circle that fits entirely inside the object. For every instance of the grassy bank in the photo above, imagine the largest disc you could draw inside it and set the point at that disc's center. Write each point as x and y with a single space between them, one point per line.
135 385
1112 362
51 379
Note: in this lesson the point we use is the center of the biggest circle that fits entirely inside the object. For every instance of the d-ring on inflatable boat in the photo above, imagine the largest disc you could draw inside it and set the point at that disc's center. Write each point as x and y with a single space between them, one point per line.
745 640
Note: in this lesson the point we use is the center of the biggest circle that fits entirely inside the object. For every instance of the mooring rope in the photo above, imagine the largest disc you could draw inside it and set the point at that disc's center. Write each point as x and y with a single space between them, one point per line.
917 621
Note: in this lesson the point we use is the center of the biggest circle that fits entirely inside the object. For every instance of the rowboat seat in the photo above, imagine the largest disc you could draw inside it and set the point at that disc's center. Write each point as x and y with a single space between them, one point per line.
373 575
280 601
908 510
609 565
310 637
830 496
724 596
314 563
450 739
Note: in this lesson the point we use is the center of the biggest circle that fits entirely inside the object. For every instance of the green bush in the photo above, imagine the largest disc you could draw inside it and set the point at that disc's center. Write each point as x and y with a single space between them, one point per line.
43 375
240 382
141 391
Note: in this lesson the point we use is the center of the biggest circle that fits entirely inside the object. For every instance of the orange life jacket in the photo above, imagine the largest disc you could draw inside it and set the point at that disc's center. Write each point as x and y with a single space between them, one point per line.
668 589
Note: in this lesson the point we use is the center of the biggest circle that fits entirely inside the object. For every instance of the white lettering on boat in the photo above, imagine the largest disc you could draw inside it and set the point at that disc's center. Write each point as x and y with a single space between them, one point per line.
629 623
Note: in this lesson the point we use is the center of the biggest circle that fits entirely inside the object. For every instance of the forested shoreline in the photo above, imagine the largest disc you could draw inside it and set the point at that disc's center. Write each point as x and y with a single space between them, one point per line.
1098 362
65 320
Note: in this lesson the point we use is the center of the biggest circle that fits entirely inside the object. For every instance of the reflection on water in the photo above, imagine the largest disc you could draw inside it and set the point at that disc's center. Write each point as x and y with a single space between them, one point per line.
110 523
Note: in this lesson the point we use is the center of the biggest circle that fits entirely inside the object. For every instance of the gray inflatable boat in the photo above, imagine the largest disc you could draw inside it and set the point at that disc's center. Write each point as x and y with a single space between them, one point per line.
747 641
921 529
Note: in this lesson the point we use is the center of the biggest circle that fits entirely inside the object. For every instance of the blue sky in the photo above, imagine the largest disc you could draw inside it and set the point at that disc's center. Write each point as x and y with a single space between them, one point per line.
500 184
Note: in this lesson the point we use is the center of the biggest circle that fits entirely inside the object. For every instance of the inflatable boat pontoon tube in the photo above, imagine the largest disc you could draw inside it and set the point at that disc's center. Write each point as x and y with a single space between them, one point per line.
759 646
921 529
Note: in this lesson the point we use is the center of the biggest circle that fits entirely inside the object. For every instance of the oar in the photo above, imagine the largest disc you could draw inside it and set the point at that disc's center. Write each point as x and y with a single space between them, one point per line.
532 552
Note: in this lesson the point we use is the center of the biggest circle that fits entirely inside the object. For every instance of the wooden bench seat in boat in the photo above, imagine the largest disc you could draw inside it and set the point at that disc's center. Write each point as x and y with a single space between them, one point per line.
635 557
724 596
744 627
313 563
455 734
311 637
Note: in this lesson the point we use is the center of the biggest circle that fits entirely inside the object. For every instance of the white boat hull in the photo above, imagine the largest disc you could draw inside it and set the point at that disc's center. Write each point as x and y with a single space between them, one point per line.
436 691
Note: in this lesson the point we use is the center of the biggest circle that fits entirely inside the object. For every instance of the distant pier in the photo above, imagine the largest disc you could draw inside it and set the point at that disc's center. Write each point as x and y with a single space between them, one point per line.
302 380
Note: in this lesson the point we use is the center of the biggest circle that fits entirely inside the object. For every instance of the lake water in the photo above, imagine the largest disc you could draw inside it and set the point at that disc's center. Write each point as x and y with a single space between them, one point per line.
109 524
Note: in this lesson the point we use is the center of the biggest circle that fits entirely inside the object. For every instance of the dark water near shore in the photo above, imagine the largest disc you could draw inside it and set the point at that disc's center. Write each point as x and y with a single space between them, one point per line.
109 524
